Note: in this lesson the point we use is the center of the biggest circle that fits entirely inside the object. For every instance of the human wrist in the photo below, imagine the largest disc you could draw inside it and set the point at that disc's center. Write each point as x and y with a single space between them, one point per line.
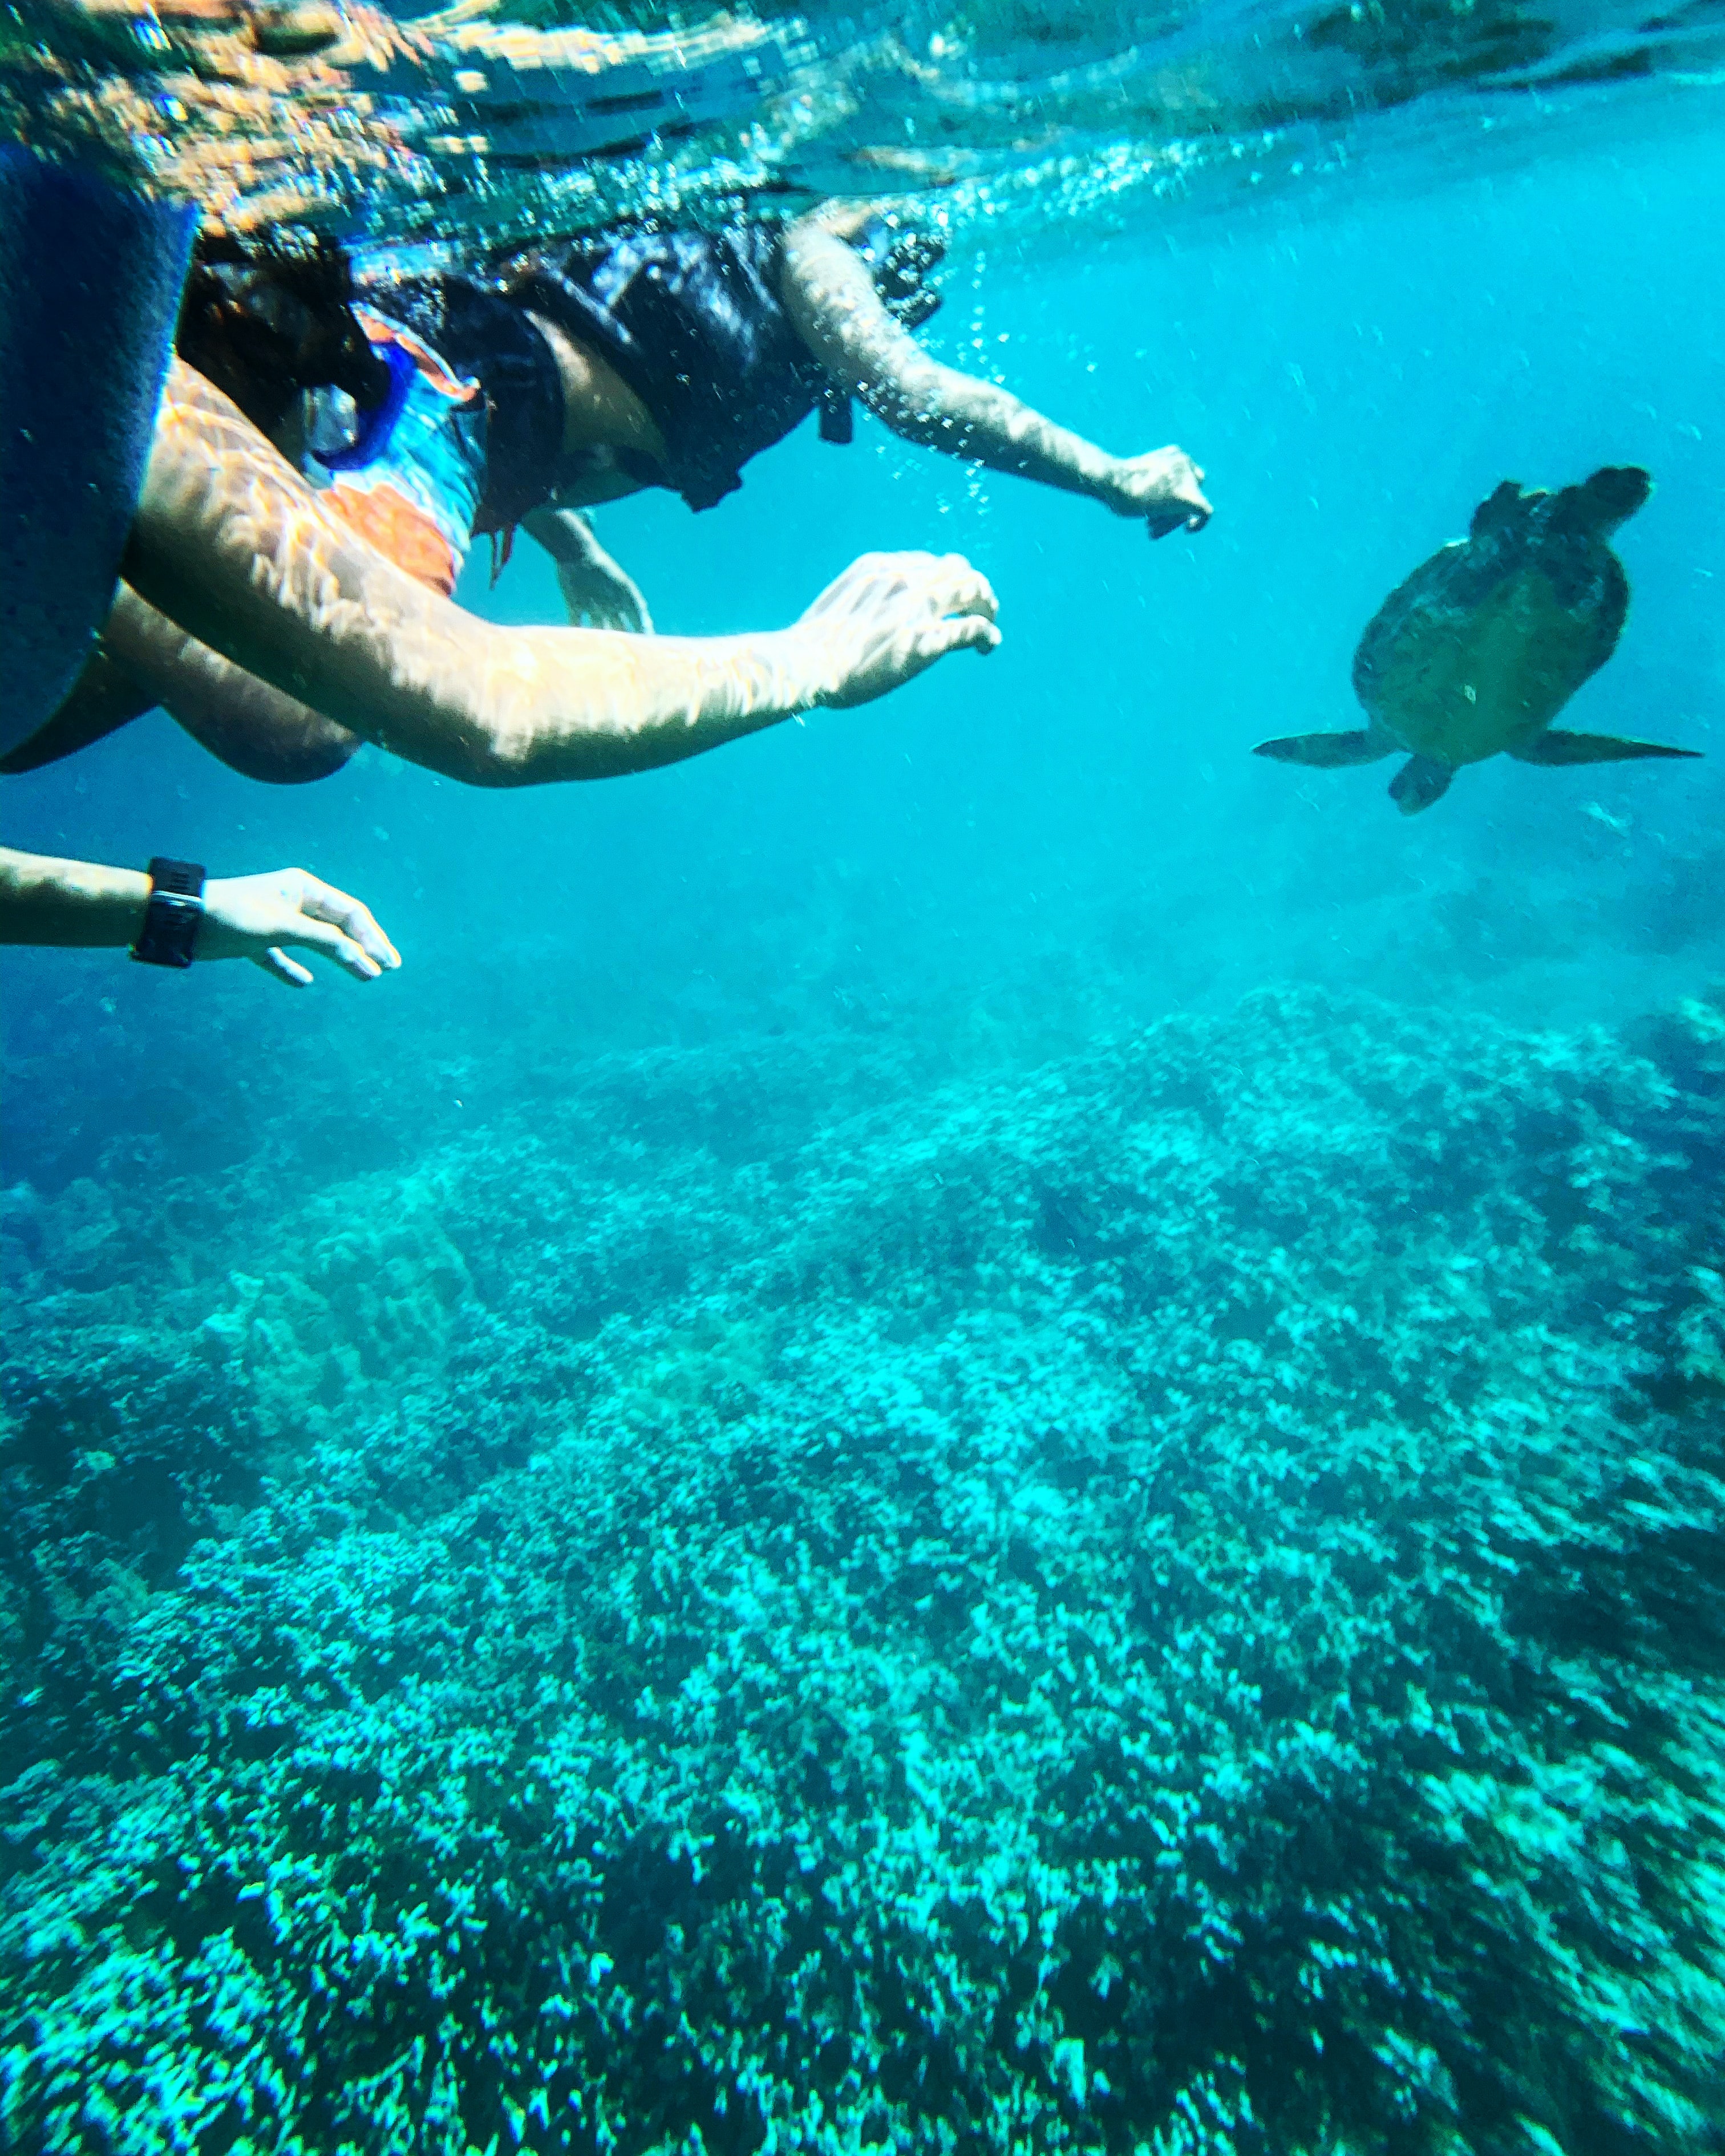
115 900
758 679
795 668
1076 466
1107 482
174 917
126 901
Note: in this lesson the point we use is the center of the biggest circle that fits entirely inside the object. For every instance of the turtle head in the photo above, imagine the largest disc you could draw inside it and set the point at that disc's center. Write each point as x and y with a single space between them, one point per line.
1611 497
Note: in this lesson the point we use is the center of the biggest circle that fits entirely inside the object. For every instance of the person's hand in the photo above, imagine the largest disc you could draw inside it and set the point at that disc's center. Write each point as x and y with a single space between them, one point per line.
1163 486
257 917
888 618
598 591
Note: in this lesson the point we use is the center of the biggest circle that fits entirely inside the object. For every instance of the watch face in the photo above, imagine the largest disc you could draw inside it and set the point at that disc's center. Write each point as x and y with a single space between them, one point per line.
174 915
176 879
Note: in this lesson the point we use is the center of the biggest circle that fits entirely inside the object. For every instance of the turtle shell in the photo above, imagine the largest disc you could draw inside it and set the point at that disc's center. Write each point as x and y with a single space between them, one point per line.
1483 646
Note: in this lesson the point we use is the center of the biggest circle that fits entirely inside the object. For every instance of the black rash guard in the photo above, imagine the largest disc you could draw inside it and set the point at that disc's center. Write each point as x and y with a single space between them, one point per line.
691 322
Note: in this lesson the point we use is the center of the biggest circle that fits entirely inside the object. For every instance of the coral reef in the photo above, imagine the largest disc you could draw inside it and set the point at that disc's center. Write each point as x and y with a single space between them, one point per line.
1169 1604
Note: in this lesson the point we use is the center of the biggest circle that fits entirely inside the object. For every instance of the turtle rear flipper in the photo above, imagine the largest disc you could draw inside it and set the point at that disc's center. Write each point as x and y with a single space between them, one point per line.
1554 746
1328 752
1421 780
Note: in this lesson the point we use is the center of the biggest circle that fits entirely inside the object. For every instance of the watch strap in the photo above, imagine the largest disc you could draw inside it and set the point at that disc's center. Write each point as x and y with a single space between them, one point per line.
174 914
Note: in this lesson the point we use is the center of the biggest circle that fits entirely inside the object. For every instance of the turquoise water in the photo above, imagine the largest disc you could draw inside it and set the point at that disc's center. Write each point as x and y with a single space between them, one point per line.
979 1426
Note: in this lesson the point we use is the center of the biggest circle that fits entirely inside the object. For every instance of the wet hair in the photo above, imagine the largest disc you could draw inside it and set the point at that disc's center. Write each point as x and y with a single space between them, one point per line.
266 321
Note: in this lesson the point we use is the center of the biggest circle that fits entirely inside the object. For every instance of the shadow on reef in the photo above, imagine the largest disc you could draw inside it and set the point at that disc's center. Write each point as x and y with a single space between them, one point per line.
1172 1604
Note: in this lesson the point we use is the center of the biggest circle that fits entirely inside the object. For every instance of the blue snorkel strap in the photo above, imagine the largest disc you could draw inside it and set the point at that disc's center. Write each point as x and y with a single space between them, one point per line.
375 426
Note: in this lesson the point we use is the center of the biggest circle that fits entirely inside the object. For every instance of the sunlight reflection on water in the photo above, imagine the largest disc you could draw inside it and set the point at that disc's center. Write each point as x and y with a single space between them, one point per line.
468 124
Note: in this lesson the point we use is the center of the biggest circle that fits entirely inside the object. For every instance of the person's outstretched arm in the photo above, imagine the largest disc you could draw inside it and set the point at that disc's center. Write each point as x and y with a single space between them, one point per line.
831 297
78 904
229 542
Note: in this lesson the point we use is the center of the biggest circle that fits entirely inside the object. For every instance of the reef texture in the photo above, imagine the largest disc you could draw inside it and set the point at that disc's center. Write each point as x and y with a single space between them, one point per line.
1175 1603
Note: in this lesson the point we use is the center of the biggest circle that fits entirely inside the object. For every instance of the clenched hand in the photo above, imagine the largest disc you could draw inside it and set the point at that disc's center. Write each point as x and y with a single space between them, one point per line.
1165 488
890 617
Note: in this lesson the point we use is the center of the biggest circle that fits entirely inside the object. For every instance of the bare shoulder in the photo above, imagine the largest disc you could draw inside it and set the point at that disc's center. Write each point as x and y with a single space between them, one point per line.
827 290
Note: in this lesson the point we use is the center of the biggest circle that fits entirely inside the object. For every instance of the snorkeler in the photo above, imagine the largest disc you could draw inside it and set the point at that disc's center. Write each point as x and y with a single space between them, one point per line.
171 916
552 379
681 355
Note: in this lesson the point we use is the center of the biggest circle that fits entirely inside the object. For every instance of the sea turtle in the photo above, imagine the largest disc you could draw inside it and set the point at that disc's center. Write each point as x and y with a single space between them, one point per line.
1484 644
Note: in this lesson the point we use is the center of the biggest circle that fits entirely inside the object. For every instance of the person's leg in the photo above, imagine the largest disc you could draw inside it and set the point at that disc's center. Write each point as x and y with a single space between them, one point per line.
144 660
106 696
254 728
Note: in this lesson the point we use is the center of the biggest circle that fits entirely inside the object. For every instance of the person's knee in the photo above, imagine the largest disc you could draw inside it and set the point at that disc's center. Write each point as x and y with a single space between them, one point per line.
300 767
296 760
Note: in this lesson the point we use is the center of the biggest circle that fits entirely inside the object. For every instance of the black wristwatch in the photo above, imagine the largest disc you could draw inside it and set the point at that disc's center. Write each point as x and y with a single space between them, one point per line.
174 915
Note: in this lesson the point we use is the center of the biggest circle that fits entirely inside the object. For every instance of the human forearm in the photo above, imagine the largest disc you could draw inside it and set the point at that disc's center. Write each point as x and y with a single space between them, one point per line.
648 700
232 545
43 900
578 704
941 408
831 297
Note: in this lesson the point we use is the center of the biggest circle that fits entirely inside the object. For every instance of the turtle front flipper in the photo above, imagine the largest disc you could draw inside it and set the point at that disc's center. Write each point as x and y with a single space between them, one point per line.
1328 752
1421 780
1508 505
1554 746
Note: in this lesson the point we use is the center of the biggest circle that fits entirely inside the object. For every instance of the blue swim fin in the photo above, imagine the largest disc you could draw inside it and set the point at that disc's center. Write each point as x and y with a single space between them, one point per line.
89 290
